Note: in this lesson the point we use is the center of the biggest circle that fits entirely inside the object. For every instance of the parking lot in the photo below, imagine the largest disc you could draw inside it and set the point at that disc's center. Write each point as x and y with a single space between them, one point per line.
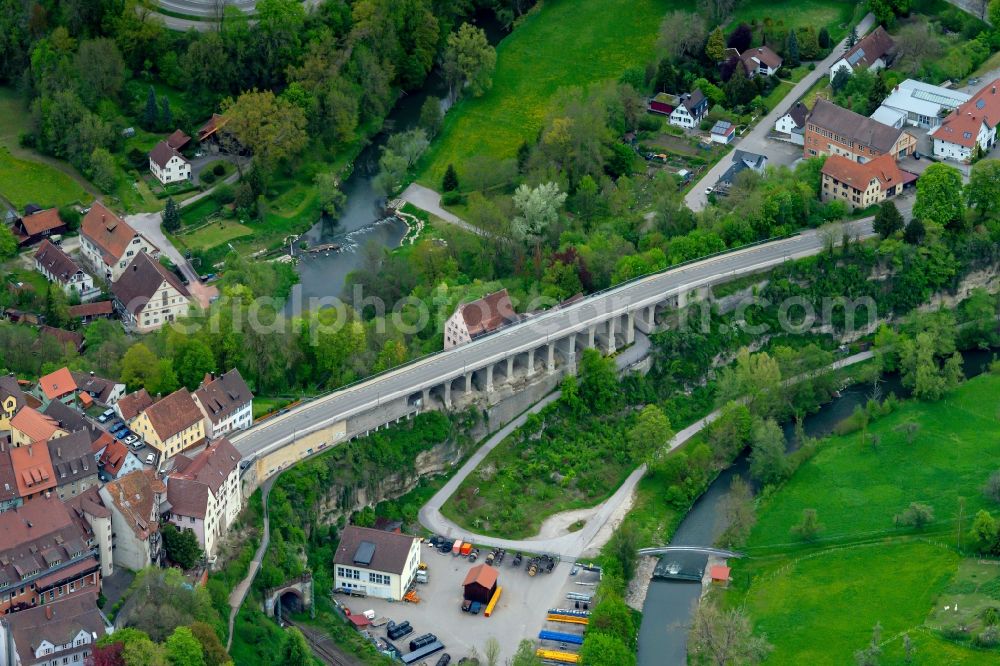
520 613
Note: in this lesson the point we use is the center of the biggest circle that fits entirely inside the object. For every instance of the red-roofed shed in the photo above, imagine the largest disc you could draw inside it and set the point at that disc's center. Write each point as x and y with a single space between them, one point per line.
481 583
719 573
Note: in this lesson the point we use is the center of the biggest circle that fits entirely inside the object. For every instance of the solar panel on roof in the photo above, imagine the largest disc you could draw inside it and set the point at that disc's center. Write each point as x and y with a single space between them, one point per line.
856 56
928 96
364 554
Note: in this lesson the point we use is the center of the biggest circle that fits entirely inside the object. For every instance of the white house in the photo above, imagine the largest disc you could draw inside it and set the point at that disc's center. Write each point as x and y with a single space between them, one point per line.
761 60
723 132
380 564
477 318
872 52
168 165
59 267
108 244
793 123
921 104
134 501
204 492
63 631
970 128
226 402
147 295
691 108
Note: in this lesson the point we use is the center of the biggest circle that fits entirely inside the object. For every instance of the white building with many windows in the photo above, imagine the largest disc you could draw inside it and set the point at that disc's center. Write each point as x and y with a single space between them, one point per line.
60 632
378 563
226 402
168 165
109 244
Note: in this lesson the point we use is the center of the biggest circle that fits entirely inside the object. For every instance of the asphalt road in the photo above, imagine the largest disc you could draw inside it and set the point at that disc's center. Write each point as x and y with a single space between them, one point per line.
756 141
553 325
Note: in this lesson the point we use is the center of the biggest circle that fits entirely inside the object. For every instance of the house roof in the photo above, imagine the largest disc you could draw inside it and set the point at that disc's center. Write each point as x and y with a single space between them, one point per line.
162 153
131 404
223 395
667 98
719 572
870 48
854 126
42 221
743 160
889 116
798 113
90 502
962 125
175 413
722 127
693 99
8 478
57 622
32 469
134 497
98 387
107 231
178 140
93 309
923 98
488 313
390 549
56 262
883 168
114 456
63 336
481 574
57 384
187 497
71 457
35 425
10 388
103 441
43 526
140 280
210 468
214 124
761 54
70 419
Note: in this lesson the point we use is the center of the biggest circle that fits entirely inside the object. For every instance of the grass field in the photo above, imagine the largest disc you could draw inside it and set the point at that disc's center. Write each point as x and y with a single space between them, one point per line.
775 96
835 15
214 234
566 43
873 571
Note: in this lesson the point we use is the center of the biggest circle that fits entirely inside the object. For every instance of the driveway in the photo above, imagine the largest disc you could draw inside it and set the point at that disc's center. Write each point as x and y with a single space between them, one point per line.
148 224
427 199
756 141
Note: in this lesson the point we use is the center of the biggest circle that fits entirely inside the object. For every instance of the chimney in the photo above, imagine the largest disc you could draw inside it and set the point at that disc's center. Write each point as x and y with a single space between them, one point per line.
993 90
91 373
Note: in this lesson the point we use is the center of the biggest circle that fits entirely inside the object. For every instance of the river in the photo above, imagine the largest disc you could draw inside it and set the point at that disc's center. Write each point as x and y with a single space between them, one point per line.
669 605
363 222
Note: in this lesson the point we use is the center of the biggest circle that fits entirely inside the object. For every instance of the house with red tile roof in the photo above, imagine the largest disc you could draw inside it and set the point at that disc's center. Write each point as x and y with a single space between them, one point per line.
58 385
63 631
204 492
37 226
88 312
970 129
167 164
131 405
862 185
134 501
33 471
59 267
171 425
29 425
872 52
108 244
147 295
116 460
478 318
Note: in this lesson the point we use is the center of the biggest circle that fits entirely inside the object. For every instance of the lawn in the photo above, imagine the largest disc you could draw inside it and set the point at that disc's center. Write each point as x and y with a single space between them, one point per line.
23 182
873 571
213 235
565 43
774 98
835 15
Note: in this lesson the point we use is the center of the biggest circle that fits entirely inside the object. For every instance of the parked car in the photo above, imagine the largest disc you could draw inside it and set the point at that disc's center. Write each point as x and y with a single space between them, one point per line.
122 434
132 438
466 605
150 458
115 425
475 608
105 415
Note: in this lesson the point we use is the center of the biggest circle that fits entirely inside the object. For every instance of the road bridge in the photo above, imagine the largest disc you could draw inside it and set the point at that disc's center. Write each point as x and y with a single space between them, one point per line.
543 346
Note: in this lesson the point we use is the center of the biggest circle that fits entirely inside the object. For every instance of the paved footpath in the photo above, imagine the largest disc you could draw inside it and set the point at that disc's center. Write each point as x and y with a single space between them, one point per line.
427 199
239 593
756 141
572 545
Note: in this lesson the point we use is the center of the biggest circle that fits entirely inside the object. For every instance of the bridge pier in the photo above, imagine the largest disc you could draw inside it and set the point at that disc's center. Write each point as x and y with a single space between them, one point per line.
646 319
489 378
550 364
425 398
630 328
591 334
468 382
510 369
612 343
570 353
447 394
531 362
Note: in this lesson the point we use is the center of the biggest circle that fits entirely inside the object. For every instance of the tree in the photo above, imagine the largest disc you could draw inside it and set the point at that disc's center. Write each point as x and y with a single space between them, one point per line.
469 61
295 651
56 306
8 242
525 655
755 378
887 220
103 171
450 181
824 38
994 12
183 649
916 515
171 216
106 655
852 38
100 68
430 116
212 649
768 463
181 546
599 388
939 195
141 369
739 88
984 531
870 655
651 431
600 649
992 488
741 38
739 514
715 48
809 527
272 128
537 208
915 232
792 58
726 637
491 650
166 115
410 145
151 115
331 198
983 191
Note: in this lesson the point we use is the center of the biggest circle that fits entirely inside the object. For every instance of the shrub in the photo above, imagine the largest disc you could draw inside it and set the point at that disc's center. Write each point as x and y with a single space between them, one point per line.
219 169
452 199
225 194
207 177
71 216
916 515
650 123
